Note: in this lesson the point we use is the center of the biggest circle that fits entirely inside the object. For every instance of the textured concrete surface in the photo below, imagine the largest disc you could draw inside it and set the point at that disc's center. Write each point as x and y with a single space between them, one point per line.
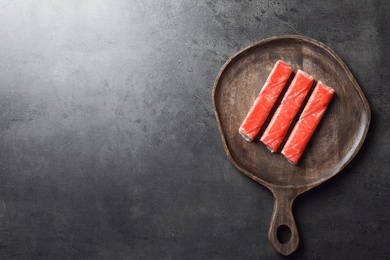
109 147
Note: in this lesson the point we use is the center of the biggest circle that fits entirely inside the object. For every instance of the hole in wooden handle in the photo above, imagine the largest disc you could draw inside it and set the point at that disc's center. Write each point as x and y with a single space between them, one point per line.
283 234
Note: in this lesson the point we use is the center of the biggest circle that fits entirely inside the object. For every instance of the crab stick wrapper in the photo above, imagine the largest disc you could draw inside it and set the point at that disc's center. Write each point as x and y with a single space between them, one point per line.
265 100
307 122
284 115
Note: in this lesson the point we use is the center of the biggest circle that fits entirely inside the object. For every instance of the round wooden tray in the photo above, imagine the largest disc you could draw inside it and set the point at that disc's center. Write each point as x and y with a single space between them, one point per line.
336 141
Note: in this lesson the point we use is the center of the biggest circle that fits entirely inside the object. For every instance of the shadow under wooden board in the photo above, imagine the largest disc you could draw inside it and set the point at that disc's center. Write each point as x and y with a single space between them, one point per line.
336 141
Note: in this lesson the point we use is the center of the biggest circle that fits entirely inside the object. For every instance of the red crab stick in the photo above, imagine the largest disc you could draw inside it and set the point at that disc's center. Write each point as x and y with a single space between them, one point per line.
284 115
307 122
265 100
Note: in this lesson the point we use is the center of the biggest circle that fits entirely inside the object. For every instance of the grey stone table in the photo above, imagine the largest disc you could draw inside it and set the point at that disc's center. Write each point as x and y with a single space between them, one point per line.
109 147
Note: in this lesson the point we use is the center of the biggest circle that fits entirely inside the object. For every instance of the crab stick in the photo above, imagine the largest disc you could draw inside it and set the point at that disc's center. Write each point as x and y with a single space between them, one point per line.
265 100
284 115
307 122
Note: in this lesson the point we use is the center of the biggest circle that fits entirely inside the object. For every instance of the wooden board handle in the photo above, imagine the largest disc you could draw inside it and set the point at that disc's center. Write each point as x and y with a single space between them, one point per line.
283 220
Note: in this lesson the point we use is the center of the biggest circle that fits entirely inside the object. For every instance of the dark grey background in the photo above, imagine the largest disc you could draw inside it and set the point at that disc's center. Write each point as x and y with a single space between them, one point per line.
109 147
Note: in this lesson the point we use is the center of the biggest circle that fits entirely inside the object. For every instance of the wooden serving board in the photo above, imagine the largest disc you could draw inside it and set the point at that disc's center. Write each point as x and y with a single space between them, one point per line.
334 144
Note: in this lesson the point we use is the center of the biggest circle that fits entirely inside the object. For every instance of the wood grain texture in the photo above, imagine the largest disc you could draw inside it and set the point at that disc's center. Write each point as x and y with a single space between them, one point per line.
336 141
